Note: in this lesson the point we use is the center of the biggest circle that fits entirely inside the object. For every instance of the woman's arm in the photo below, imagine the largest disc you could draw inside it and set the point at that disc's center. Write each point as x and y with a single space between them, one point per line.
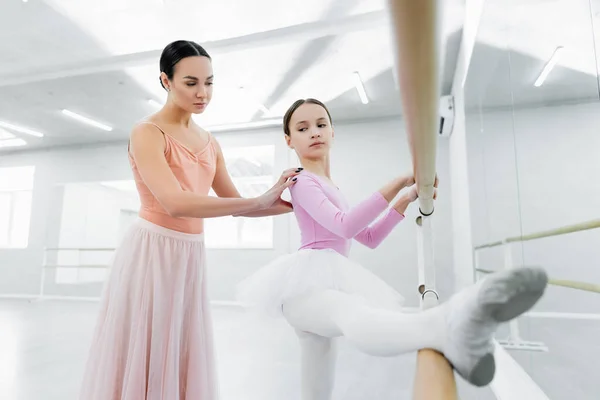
147 147
224 187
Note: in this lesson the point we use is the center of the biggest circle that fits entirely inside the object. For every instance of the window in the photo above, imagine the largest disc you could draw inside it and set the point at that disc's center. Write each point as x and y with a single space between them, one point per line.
94 215
16 186
251 169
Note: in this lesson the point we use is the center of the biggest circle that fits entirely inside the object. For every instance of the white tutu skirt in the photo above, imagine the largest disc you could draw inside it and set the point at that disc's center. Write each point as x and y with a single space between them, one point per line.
313 270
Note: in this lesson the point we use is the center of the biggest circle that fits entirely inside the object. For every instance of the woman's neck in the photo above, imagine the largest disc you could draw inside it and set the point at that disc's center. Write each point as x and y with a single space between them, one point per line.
172 114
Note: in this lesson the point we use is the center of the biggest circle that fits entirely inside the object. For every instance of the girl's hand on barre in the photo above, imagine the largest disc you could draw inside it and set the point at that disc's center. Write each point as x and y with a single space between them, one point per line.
410 180
413 194
392 188
407 180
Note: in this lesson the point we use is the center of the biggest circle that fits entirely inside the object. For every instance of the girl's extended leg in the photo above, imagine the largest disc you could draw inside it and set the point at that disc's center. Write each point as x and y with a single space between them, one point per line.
462 329
378 332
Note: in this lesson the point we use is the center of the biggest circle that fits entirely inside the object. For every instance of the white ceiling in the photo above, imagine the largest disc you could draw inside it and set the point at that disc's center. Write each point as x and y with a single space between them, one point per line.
515 40
100 59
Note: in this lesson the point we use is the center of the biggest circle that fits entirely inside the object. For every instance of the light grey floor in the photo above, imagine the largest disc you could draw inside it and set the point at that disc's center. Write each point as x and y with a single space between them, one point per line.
43 348
570 370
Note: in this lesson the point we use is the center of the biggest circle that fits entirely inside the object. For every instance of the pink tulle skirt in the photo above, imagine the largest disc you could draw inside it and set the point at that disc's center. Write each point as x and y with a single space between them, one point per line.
154 335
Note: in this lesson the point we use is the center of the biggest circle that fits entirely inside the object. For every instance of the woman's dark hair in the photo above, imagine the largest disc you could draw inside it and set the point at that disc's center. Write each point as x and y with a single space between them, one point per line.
177 51
288 114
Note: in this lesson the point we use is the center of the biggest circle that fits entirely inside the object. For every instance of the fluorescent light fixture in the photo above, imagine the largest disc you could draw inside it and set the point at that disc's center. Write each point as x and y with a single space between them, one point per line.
360 88
252 99
20 129
154 103
12 143
548 67
6 135
264 109
7 139
246 125
86 120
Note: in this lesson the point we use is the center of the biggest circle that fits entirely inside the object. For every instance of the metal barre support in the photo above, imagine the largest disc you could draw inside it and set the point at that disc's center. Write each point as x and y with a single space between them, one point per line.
437 296
427 215
426 264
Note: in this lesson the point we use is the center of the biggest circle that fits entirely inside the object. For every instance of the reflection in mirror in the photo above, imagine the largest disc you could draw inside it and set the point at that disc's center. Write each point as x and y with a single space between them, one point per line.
532 116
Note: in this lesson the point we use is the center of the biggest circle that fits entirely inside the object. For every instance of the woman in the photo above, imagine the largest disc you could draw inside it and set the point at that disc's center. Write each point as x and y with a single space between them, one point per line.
153 338
323 295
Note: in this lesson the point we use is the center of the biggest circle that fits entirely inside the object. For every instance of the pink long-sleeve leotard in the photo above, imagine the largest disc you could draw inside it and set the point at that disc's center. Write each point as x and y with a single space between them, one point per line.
327 222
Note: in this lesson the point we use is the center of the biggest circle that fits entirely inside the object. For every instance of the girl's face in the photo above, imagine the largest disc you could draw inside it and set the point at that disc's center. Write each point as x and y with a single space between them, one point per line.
311 133
192 84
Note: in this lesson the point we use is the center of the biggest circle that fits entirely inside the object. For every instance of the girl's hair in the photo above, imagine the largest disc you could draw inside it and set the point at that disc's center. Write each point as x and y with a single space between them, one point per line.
288 114
177 51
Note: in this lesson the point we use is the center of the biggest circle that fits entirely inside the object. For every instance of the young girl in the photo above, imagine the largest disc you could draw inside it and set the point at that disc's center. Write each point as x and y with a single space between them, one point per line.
153 338
322 294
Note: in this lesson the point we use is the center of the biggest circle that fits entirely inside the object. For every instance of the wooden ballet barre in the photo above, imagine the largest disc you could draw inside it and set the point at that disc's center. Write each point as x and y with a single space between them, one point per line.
91 266
46 266
416 28
416 33
578 285
80 249
514 340
582 226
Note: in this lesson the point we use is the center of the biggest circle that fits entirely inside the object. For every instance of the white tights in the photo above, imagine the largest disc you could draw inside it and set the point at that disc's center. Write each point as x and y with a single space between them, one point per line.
320 316
462 329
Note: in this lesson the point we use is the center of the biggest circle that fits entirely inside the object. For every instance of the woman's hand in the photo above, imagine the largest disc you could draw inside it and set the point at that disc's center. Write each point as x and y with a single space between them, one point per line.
273 196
